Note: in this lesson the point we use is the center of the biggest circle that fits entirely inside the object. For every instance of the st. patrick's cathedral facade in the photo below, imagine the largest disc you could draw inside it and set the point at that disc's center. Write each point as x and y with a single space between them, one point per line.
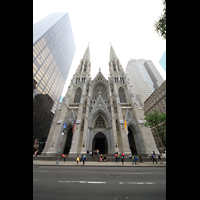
99 108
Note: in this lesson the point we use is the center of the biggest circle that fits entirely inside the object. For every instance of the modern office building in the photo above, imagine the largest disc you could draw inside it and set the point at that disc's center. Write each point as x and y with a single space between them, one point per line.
144 78
162 61
53 52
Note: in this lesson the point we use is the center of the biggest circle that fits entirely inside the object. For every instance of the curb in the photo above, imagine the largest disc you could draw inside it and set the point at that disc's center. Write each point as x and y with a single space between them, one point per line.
164 165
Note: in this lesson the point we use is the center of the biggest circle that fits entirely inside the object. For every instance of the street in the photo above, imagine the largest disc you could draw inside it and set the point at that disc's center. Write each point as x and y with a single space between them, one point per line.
101 183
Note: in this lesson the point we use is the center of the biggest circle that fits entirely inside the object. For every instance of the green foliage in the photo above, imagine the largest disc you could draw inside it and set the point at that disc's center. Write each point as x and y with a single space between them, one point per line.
160 25
157 121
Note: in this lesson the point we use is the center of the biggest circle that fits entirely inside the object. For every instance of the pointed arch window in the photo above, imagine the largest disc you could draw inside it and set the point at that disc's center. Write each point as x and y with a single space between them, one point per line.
114 66
99 123
122 96
77 97
118 66
85 67
81 67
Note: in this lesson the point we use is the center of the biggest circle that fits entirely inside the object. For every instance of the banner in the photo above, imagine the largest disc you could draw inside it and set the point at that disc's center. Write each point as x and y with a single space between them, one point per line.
74 126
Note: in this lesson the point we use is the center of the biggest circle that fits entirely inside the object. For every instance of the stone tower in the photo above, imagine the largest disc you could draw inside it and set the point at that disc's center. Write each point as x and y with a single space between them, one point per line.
99 107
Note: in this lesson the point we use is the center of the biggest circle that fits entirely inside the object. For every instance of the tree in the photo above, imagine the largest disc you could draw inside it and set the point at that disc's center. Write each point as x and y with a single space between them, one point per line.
157 121
160 25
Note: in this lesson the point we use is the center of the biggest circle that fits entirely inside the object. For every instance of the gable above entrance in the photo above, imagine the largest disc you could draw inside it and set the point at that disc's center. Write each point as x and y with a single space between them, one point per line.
99 108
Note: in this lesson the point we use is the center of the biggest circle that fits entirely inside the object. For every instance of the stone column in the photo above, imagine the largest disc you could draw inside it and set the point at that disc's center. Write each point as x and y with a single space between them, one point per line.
75 139
125 142
85 139
113 124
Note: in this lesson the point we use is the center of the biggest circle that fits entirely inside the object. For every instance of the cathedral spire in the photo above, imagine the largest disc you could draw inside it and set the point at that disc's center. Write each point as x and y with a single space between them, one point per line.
112 53
87 54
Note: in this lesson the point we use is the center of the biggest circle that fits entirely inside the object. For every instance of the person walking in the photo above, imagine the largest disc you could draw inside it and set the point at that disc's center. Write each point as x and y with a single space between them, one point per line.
36 152
122 158
77 159
154 159
133 159
116 156
84 159
65 157
159 157
88 153
150 156
140 158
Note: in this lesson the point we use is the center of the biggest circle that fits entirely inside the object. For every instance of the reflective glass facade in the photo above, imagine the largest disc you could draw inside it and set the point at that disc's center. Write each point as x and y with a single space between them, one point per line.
53 52
144 77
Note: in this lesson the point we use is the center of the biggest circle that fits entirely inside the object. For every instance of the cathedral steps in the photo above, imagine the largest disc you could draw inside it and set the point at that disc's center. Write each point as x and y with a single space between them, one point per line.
90 159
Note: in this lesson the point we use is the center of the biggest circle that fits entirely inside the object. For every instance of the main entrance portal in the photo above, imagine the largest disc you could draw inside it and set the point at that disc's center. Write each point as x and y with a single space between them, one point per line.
68 142
131 142
100 142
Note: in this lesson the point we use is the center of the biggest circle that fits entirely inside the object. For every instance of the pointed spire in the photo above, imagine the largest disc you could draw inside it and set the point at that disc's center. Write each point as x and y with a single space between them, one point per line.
87 54
112 53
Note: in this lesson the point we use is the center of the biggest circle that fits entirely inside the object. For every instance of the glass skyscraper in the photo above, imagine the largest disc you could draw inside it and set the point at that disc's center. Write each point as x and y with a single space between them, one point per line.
144 77
53 52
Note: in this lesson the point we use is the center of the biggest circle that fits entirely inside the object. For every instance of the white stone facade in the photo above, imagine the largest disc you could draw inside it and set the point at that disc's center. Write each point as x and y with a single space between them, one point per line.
99 107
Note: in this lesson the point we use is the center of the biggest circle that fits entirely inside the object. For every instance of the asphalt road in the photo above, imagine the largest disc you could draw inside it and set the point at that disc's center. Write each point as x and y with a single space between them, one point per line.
98 183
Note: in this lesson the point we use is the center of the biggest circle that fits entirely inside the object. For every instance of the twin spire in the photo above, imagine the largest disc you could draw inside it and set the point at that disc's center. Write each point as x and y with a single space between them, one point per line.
112 53
87 54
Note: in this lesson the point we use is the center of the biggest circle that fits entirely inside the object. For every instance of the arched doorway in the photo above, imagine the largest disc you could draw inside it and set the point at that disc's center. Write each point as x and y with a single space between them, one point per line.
68 142
100 142
131 141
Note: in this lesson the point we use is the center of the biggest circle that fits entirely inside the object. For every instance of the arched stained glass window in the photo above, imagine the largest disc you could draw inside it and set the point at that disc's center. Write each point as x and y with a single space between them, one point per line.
77 97
122 96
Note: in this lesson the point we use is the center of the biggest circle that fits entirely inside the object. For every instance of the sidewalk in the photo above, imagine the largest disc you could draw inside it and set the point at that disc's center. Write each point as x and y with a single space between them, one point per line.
96 163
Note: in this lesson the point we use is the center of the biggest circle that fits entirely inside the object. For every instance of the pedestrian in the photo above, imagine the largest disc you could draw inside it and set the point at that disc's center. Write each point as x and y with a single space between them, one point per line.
65 157
84 159
130 157
81 158
36 152
154 159
150 156
104 157
140 158
91 153
100 159
159 157
116 156
122 158
77 159
87 153
133 159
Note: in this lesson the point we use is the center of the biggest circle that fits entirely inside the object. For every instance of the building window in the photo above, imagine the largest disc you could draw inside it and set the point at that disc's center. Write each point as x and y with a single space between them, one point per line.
99 123
77 97
85 67
122 96
114 67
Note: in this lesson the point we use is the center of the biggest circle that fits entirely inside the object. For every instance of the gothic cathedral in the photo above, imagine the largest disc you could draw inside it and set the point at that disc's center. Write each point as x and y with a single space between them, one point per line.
92 115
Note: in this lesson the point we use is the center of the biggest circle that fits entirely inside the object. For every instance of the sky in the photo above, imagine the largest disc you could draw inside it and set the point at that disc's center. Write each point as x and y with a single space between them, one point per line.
127 24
